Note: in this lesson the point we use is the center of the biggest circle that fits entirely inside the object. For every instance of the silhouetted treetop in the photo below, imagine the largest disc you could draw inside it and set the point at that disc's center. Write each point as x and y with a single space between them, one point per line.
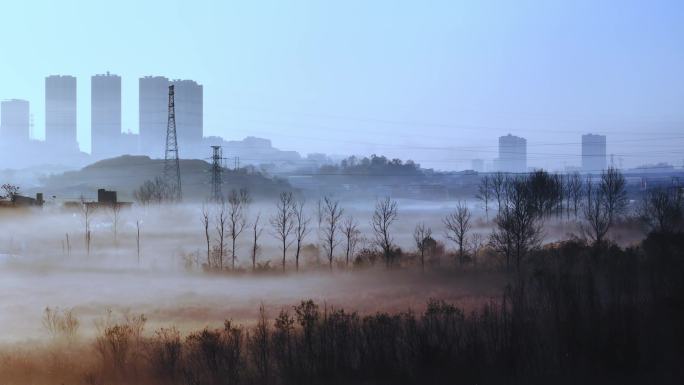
373 165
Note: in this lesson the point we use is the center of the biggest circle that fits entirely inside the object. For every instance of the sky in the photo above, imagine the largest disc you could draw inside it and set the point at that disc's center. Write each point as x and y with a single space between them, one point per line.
433 81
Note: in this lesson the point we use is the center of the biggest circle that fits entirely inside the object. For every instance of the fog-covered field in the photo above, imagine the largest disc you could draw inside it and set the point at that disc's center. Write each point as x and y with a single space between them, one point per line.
192 301
40 268
45 263
169 232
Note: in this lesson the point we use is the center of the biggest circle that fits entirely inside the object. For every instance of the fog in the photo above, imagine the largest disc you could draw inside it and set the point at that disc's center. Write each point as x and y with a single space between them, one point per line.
40 269
169 232
113 313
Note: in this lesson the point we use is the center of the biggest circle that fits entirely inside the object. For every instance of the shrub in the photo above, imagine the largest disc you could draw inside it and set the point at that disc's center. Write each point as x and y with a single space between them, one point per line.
61 324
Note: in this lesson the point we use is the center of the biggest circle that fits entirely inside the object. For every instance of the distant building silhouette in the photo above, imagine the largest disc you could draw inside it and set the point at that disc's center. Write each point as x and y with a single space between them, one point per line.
21 201
152 114
14 122
512 154
105 116
189 116
128 144
477 165
593 153
106 196
60 114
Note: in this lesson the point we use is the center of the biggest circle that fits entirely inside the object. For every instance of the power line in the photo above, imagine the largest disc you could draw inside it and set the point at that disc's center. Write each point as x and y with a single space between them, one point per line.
451 148
422 124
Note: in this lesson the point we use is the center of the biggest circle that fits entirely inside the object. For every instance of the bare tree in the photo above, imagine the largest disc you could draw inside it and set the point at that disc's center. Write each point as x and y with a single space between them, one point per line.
561 202
205 225
518 224
11 191
319 228
282 222
457 226
484 193
559 181
115 214
153 191
319 213
137 239
332 212
604 204
614 194
498 183
61 323
574 192
87 211
301 228
421 236
661 210
237 221
477 242
545 191
256 233
501 238
68 245
352 237
221 224
385 214
597 219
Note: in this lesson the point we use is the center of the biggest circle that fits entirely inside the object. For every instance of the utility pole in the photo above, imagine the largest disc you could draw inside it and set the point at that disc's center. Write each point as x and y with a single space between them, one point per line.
171 163
216 170
137 239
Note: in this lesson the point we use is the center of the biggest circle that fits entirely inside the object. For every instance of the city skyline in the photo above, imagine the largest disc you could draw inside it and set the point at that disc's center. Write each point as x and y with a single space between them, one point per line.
107 136
547 72
108 139
106 128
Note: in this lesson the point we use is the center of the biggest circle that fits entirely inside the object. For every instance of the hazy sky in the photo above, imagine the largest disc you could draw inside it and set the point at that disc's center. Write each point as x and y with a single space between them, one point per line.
436 81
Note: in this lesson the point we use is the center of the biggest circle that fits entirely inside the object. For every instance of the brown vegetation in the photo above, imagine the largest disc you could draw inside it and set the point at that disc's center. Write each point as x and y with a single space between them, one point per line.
602 315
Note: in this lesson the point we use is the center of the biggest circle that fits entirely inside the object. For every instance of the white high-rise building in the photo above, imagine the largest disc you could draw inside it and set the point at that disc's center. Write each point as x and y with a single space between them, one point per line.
512 154
153 107
593 153
60 114
105 116
14 122
189 116
153 101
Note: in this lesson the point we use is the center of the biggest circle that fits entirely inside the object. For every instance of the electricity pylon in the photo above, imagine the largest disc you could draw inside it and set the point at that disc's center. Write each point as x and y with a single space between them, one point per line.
171 163
216 170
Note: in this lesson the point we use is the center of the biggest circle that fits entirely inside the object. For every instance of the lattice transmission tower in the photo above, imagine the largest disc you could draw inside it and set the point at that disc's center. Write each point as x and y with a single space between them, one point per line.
171 163
216 171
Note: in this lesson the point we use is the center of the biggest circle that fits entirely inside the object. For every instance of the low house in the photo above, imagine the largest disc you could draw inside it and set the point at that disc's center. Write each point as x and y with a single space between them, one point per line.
105 199
19 201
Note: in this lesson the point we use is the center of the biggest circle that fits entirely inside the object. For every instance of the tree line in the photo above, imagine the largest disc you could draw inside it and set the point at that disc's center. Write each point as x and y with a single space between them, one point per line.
519 206
374 165
224 221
